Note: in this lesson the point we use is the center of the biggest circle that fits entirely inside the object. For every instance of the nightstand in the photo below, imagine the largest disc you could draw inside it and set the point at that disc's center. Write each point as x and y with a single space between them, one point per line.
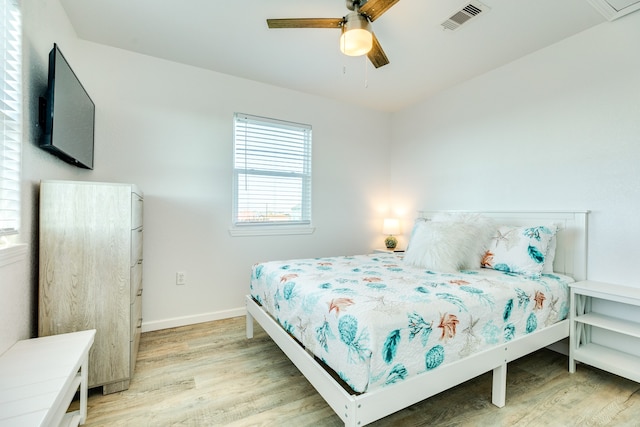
388 251
585 321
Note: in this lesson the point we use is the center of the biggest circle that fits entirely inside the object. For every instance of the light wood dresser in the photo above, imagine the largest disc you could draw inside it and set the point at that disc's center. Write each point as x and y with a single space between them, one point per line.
91 272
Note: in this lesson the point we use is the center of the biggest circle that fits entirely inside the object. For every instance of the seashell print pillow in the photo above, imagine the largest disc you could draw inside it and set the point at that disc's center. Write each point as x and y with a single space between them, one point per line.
520 250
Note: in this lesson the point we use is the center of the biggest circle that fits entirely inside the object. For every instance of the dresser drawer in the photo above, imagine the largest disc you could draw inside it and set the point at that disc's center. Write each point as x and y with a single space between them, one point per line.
134 345
136 315
136 246
136 210
136 279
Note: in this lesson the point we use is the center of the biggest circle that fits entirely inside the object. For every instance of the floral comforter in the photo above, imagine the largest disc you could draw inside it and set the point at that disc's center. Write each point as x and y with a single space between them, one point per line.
375 320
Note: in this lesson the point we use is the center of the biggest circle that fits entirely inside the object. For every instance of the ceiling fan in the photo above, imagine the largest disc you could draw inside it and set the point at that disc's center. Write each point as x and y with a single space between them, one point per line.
357 36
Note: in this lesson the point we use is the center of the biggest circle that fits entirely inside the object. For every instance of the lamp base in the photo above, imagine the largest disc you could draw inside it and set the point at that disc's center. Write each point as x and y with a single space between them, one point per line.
391 242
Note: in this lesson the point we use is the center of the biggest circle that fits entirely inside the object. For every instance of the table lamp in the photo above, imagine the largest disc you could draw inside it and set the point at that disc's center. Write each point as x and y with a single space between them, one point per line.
390 227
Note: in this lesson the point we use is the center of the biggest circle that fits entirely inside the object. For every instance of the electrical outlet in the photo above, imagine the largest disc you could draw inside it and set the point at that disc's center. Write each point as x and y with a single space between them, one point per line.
181 278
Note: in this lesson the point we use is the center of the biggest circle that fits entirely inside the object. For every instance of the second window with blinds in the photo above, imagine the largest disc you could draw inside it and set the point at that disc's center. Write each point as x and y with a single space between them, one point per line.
272 176
10 117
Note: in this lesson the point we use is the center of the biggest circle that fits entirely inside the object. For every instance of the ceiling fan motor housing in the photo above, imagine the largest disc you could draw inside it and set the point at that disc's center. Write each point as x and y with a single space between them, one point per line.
353 4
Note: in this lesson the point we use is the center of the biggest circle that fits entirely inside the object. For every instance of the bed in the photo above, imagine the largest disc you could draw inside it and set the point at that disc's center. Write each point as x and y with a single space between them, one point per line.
376 333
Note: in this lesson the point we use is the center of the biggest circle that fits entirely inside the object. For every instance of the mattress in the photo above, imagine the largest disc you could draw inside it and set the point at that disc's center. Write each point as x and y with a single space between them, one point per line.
375 320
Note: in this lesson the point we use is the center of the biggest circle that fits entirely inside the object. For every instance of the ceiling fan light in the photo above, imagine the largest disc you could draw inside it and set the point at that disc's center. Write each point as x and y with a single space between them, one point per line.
356 38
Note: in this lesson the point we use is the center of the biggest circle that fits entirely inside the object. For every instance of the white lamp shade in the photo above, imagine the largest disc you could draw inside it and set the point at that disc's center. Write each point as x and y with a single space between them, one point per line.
391 226
356 38
356 42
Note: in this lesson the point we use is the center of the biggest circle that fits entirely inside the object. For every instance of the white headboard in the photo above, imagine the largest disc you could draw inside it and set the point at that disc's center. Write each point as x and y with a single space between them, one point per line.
571 248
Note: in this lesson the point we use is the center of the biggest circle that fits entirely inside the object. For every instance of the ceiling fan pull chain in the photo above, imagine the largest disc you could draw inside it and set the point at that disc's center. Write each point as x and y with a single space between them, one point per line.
366 72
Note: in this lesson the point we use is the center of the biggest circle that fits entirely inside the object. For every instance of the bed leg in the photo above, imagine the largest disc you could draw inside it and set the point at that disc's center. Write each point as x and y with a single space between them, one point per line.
249 327
499 389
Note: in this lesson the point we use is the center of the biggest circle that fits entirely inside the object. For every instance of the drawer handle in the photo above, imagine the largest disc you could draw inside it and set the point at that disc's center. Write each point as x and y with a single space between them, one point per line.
140 261
139 293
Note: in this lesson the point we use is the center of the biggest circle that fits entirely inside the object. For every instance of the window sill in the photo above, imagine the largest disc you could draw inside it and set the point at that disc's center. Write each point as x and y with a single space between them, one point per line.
270 230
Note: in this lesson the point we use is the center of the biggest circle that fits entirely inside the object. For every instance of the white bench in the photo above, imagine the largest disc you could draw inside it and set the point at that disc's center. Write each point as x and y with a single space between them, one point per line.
39 378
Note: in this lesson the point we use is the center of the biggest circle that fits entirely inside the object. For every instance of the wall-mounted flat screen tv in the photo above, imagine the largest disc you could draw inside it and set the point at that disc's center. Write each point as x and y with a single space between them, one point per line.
67 114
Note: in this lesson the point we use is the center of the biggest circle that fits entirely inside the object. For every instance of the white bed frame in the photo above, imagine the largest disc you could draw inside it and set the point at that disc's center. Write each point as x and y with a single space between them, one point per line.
362 409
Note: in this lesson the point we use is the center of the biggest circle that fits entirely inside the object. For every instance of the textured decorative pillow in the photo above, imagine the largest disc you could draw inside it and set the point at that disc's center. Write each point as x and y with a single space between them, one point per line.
521 250
441 246
485 229
416 225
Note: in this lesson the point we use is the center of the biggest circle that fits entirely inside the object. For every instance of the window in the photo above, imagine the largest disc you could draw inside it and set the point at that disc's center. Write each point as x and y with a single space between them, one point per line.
272 174
10 116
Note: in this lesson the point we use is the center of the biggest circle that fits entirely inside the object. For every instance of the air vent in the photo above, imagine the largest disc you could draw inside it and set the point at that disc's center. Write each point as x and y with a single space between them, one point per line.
469 11
614 9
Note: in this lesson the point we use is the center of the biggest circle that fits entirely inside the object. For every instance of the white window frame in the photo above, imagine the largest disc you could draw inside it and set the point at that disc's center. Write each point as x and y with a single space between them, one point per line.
265 148
10 117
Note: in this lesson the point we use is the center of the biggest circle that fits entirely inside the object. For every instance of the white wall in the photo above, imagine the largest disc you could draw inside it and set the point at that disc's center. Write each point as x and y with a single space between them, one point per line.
168 128
558 129
16 300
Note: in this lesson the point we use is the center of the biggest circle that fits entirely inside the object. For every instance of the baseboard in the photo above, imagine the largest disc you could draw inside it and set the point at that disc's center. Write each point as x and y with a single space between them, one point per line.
175 322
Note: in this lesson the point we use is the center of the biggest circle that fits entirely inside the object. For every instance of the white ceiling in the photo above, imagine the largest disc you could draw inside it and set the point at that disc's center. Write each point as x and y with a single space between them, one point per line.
232 37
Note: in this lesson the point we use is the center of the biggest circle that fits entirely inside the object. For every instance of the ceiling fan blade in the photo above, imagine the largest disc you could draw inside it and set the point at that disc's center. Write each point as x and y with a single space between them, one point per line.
376 55
375 8
305 23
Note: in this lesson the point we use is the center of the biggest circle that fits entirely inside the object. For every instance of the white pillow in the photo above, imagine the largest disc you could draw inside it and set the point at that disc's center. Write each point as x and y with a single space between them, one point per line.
443 246
416 225
521 250
551 255
485 229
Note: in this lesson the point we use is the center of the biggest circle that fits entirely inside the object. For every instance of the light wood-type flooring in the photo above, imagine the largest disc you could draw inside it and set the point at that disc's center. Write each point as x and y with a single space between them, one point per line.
209 374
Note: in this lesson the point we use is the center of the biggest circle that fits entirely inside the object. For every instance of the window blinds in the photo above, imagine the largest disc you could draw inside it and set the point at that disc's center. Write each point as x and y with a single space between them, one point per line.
10 116
272 171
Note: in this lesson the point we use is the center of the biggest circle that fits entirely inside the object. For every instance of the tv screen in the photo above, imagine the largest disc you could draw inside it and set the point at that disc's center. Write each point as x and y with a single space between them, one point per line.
69 114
